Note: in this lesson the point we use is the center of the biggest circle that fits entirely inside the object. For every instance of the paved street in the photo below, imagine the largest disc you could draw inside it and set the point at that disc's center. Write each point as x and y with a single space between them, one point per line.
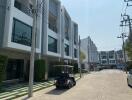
103 85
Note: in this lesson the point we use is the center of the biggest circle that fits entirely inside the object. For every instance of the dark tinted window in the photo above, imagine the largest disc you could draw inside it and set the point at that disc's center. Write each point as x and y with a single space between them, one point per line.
66 50
52 44
22 33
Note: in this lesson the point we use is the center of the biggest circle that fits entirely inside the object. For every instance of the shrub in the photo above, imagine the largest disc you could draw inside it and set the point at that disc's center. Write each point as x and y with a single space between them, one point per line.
75 68
129 65
39 70
3 63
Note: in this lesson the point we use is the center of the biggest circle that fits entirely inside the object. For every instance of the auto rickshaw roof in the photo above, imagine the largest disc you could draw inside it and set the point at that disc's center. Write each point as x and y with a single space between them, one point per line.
64 66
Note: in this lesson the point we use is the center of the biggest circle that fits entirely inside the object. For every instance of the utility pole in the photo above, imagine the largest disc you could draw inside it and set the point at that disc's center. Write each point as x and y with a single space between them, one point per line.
79 64
123 35
32 56
127 22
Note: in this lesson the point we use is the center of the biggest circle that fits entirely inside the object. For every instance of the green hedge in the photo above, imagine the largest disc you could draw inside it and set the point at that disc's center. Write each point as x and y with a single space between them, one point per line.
75 69
39 70
3 64
129 65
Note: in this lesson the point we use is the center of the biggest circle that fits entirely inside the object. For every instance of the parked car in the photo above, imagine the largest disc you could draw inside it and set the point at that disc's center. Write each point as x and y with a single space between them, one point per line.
66 78
129 78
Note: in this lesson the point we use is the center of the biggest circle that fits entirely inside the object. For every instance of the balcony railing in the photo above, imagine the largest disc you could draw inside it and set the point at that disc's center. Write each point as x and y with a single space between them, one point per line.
53 27
23 8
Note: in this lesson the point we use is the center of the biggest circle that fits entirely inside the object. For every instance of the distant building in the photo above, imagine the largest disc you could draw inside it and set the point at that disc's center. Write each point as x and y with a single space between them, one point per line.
119 59
90 50
103 57
111 58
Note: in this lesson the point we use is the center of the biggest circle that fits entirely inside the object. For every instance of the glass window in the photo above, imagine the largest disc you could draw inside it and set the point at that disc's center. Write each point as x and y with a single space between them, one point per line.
66 50
17 5
52 22
75 53
104 57
104 62
112 61
14 69
75 34
52 44
22 33
53 6
111 56
66 27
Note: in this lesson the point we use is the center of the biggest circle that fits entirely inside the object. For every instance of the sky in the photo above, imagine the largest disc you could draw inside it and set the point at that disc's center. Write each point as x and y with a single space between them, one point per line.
99 19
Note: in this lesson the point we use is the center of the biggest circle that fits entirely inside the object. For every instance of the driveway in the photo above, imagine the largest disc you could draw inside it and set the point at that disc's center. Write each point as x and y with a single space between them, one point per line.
103 85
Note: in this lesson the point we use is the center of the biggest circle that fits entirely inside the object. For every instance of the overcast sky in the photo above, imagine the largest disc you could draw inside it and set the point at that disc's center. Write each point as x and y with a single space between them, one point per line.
99 19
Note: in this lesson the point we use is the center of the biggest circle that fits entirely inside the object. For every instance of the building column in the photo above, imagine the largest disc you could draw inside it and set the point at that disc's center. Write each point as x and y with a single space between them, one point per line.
46 68
25 68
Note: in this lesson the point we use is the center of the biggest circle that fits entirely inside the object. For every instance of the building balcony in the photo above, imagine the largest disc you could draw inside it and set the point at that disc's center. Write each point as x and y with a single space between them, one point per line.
53 28
27 9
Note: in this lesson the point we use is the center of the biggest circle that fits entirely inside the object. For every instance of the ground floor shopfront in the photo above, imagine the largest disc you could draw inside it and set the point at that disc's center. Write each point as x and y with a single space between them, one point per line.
17 68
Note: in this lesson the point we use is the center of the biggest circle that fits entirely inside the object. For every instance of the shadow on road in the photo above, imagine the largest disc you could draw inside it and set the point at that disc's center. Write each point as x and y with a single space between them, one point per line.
57 91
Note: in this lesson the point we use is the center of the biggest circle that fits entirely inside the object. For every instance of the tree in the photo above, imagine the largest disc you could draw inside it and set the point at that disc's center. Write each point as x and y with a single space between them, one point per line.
128 48
82 56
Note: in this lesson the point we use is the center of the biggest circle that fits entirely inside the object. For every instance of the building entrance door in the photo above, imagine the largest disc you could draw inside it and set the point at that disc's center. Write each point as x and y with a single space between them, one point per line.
14 69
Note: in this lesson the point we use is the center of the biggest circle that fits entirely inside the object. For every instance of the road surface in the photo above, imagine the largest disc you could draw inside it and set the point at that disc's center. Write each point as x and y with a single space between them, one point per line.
103 85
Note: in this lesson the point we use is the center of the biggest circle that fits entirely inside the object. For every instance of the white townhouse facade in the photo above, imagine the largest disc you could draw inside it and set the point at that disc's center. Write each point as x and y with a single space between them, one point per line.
89 48
16 35
112 57
75 41
108 58
66 34
51 34
56 38
103 56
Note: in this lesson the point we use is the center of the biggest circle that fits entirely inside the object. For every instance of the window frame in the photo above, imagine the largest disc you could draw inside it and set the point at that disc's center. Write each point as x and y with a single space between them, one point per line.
14 33
56 51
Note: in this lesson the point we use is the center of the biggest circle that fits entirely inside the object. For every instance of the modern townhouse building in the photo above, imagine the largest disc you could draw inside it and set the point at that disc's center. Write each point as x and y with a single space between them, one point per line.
75 41
51 26
66 34
120 59
90 50
112 57
56 36
103 56
16 35
51 33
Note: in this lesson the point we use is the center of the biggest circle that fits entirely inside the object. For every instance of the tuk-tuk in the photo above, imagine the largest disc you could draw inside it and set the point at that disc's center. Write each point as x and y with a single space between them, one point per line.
66 78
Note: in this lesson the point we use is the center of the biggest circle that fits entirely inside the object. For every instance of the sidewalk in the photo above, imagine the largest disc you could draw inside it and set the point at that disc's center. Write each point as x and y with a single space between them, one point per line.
16 91
19 90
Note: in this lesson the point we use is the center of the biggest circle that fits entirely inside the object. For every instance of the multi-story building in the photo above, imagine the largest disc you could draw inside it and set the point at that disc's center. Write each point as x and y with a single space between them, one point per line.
75 41
107 57
16 35
66 34
90 50
111 58
120 59
54 39
51 34
103 57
